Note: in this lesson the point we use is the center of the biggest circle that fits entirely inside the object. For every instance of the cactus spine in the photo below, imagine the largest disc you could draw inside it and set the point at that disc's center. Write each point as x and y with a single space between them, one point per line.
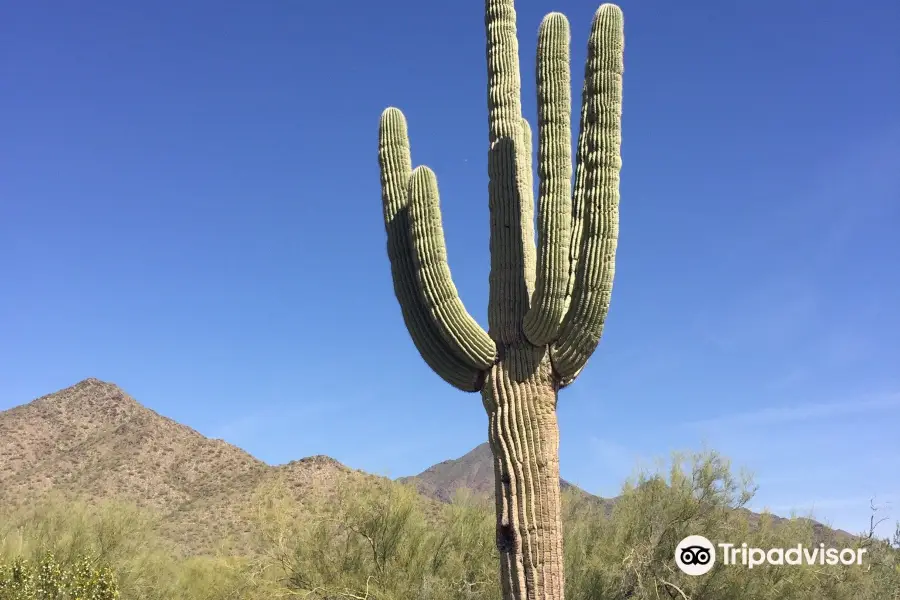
548 303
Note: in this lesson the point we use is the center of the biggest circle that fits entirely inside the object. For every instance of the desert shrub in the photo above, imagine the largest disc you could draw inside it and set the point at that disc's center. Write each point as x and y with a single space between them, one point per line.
70 529
48 579
630 553
120 536
379 540
384 542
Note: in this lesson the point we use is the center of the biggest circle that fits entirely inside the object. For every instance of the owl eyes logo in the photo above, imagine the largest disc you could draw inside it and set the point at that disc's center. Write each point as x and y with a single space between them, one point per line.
695 555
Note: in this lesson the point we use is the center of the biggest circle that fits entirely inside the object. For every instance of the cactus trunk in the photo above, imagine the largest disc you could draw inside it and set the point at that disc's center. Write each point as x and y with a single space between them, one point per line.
524 439
548 303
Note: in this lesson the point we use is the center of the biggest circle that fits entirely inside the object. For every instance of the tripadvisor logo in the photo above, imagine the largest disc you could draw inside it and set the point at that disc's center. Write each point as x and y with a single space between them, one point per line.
696 555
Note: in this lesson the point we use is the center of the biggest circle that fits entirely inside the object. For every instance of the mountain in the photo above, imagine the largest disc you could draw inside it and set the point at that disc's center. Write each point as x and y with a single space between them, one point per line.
473 471
95 442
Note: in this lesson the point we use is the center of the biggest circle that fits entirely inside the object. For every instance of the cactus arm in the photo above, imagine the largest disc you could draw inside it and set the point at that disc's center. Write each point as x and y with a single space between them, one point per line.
396 169
550 300
459 331
596 194
511 211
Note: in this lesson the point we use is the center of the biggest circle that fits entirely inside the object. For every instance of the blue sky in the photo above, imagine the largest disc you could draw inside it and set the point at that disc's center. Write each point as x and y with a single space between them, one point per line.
190 208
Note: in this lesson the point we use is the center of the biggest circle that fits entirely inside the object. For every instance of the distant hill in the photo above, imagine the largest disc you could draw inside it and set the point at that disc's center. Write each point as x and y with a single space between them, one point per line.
94 441
473 471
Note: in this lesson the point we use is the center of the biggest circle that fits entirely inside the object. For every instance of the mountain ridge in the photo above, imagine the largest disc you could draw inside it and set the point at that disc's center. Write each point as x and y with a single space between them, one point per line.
94 440
473 471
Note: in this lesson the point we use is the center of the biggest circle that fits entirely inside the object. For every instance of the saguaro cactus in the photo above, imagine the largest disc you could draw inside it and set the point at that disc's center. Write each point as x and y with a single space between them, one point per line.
547 305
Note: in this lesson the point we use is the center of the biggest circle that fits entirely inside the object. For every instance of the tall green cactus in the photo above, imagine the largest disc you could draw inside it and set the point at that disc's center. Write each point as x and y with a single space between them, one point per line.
547 304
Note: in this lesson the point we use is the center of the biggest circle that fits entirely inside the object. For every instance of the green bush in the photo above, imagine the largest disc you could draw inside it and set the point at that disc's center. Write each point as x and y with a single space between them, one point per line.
123 537
377 540
630 554
48 579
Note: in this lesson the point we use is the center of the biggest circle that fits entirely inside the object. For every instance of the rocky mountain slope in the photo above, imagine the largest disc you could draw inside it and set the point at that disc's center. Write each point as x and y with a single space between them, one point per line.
473 471
93 441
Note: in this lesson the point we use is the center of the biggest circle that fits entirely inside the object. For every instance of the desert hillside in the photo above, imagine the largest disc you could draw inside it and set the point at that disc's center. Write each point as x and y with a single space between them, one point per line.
474 471
94 441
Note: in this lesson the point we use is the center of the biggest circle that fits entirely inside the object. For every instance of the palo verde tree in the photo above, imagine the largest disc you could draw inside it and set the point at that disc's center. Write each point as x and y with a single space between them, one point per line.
547 302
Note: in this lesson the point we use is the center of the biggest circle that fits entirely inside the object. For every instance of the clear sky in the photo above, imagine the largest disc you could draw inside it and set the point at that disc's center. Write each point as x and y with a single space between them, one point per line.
190 208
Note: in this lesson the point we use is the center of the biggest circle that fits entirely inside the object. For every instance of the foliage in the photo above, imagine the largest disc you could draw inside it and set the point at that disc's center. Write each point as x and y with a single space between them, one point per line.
47 579
377 542
631 553
120 536
382 541
378 539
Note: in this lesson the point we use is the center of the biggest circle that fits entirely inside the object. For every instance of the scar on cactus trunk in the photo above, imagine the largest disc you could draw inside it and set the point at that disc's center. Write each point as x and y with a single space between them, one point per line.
548 302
